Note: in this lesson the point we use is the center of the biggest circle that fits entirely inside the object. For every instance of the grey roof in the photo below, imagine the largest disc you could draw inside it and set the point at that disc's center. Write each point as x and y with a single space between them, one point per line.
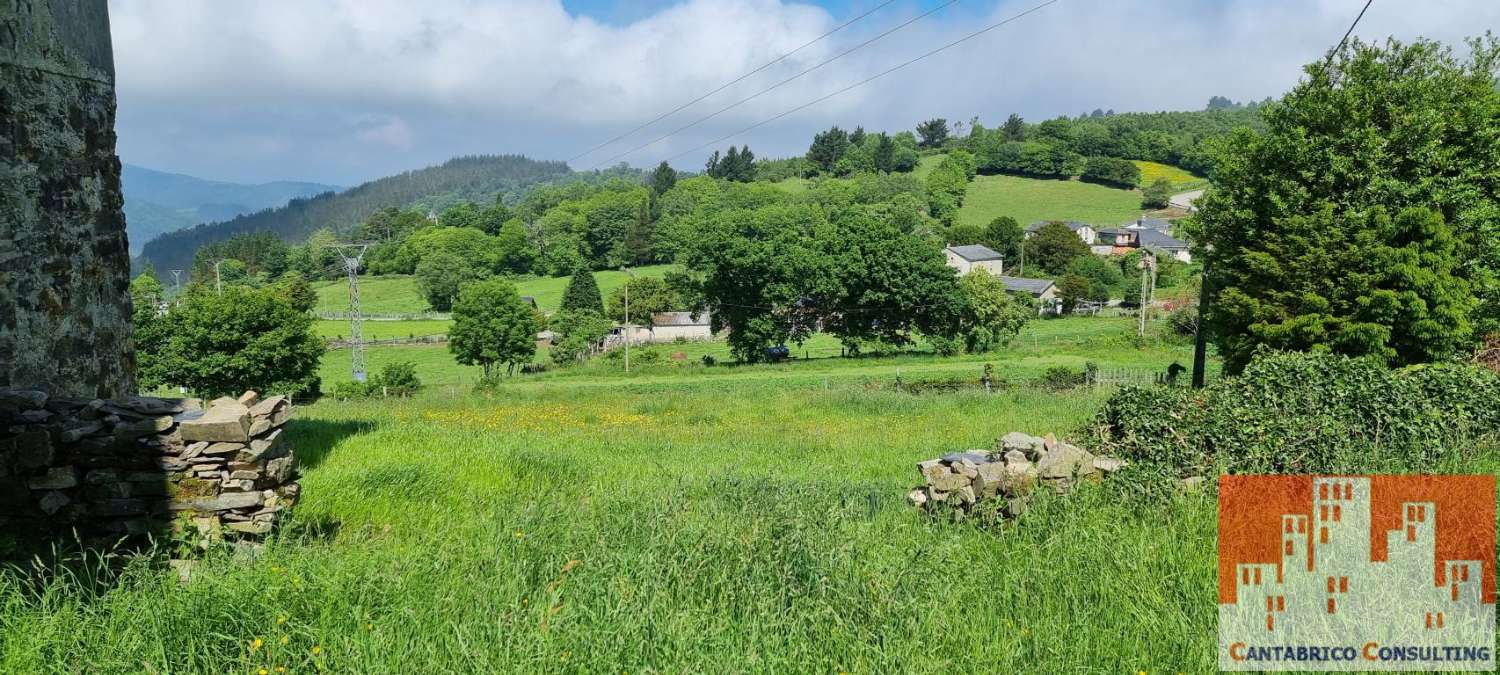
528 300
1161 240
661 319
975 253
1023 285
1152 224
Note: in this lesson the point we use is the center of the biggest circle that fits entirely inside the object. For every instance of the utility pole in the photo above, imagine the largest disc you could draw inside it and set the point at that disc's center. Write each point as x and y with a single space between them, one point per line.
628 277
1148 276
1200 335
352 255
177 287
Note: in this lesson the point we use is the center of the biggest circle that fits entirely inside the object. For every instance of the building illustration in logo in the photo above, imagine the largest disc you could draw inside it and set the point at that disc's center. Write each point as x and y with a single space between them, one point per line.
1325 602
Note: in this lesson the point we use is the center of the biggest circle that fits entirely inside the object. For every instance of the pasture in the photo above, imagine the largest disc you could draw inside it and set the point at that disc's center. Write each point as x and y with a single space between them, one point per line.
1181 179
1031 199
399 295
681 518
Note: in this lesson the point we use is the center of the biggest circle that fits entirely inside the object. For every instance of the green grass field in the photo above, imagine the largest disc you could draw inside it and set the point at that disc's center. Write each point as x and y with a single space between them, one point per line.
1181 179
735 518
383 330
400 294
1029 200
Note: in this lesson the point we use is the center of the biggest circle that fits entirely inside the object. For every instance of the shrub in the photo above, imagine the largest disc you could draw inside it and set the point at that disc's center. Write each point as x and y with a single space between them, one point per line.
1307 412
394 379
1063 377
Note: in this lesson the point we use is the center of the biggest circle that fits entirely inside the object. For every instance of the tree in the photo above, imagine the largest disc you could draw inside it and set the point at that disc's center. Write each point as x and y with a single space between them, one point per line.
1054 246
1014 128
517 254
1157 195
1072 290
145 294
991 316
1112 171
662 179
462 214
492 325
1004 236
648 296
222 344
933 133
582 293
297 291
640 236
827 149
577 334
442 274
1304 252
884 154
1103 276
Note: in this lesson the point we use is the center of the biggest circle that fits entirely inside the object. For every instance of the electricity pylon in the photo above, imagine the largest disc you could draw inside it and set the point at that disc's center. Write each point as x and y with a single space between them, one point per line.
352 255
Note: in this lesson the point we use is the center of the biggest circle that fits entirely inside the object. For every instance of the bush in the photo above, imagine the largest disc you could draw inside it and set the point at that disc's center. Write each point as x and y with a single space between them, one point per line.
1307 413
1058 378
394 379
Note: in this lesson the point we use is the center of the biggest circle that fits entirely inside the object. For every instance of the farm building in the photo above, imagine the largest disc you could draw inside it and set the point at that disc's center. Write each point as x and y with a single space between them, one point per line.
966 259
668 327
1161 243
1043 291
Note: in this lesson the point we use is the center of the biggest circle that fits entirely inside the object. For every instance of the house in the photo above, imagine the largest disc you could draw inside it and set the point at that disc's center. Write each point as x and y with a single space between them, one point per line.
965 259
1164 244
1085 231
669 327
1043 291
530 301
1118 238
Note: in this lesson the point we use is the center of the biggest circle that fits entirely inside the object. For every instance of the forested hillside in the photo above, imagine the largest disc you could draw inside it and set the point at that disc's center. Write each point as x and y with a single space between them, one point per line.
157 202
479 178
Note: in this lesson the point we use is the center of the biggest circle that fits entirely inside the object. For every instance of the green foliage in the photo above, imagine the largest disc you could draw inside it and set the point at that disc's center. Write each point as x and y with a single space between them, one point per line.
582 294
1103 276
1053 247
492 325
578 334
663 178
397 378
257 255
827 149
1060 378
297 292
1073 289
1111 171
440 276
477 249
216 345
1028 158
1303 256
737 165
1307 413
1157 195
947 184
145 295
990 316
1005 236
648 296
933 133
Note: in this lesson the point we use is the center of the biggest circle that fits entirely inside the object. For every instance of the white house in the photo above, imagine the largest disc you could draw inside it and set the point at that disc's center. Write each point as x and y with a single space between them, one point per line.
668 327
968 258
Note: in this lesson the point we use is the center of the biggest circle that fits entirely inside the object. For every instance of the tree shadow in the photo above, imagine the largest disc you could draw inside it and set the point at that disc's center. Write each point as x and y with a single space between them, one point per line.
314 440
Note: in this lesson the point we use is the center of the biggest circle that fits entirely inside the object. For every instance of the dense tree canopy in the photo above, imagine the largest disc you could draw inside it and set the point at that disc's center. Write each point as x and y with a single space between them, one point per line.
1053 247
492 325
1306 251
582 293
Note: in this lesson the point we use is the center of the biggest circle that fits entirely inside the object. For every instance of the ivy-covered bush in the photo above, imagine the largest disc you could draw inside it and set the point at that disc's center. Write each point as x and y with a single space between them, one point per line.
1306 412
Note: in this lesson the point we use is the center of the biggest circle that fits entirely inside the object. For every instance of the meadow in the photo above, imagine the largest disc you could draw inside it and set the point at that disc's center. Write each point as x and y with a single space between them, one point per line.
399 295
1181 179
1029 200
728 518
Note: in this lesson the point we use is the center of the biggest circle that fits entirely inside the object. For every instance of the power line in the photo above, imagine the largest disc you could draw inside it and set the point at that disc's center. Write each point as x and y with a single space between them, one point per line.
730 83
865 81
1347 33
767 90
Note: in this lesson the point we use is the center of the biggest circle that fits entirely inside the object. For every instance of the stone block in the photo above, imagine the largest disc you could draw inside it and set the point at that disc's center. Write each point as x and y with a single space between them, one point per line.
946 480
56 478
223 502
279 470
191 488
223 448
250 527
1030 446
917 497
265 448
52 502
971 456
249 398
144 427
1061 461
1108 465
76 433
28 449
22 399
227 422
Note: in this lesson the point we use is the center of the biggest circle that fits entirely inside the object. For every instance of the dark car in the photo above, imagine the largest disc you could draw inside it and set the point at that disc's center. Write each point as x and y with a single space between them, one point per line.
778 353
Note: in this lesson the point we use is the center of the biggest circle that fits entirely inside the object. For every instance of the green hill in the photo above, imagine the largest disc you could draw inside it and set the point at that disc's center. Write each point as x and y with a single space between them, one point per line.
479 178
157 202
1031 199
400 295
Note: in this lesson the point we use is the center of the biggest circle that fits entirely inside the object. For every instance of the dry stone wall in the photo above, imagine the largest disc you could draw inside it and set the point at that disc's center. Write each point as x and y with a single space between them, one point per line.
64 263
138 465
1016 467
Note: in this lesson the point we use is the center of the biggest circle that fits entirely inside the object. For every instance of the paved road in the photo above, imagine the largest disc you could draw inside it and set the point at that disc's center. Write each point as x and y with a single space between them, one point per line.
1184 200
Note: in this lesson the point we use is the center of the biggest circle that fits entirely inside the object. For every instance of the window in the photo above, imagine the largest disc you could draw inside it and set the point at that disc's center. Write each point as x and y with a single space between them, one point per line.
1322 491
1336 517
1331 606
1343 584
1323 535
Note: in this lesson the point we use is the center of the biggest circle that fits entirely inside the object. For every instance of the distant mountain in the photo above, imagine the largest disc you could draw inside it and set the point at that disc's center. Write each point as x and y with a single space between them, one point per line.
157 202
479 179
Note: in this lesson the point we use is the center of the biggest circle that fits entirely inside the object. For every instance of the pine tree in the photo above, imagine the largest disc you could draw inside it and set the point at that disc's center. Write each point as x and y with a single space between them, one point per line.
582 294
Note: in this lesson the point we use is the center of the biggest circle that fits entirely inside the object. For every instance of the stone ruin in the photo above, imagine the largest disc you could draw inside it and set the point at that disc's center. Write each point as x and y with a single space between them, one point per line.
139 465
1011 472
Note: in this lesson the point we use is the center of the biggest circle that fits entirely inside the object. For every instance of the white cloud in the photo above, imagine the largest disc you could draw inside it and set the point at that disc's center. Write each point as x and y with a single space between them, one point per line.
445 77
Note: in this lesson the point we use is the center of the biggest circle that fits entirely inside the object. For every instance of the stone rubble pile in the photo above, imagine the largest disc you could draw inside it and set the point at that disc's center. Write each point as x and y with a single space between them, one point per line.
1012 471
129 466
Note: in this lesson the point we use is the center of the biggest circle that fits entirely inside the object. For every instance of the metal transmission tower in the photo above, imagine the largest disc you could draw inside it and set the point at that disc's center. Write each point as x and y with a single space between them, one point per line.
177 287
352 255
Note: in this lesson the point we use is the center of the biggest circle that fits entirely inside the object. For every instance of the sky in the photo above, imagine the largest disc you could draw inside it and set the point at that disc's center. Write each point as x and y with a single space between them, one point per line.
345 91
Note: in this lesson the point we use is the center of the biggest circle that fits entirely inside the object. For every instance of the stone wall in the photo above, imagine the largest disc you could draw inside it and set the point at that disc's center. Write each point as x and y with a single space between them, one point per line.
139 465
64 263
1017 465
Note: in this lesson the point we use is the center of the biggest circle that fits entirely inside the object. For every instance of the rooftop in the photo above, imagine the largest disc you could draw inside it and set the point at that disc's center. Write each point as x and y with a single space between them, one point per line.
975 253
1023 285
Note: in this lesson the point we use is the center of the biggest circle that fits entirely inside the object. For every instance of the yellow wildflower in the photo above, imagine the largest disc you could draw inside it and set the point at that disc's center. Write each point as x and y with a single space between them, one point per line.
284 639
280 620
256 644
316 650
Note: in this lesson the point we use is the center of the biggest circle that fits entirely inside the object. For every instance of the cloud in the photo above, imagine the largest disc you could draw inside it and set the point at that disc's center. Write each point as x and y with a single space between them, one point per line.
342 83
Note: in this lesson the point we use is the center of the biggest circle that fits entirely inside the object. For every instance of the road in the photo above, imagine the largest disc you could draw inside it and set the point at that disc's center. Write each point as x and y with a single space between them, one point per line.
1184 200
